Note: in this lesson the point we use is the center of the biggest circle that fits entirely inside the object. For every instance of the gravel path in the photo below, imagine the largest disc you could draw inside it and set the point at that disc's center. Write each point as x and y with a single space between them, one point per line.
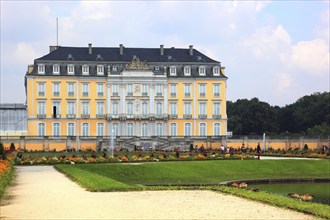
40 192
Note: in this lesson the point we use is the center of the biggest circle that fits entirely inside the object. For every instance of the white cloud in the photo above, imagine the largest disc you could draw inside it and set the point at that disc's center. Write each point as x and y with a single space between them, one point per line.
312 56
24 54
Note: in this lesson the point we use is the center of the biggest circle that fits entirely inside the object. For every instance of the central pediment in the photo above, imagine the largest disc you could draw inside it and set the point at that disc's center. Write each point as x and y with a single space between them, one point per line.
136 65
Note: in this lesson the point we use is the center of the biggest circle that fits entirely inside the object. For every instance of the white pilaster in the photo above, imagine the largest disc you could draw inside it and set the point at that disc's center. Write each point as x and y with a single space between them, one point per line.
108 98
122 99
152 98
165 99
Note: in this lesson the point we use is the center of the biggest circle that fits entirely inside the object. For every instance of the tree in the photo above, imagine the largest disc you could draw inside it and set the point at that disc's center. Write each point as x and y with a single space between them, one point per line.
2 152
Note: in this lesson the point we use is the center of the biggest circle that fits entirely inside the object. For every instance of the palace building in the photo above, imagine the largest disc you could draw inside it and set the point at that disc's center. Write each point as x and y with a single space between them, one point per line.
140 96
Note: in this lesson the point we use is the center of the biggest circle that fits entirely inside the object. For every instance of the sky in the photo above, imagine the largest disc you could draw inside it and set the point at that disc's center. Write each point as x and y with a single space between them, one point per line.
276 51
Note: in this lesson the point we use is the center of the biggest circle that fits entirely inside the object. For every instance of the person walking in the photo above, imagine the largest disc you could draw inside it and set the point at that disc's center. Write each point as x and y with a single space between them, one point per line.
258 151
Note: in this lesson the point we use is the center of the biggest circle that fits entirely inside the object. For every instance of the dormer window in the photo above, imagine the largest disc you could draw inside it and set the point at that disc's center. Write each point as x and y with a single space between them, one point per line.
173 71
85 69
202 71
56 69
186 70
157 68
216 71
114 68
41 69
100 70
70 69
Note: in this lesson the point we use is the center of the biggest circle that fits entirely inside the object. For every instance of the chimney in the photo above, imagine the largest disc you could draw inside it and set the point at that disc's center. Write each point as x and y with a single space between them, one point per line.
161 50
121 49
52 48
89 48
191 50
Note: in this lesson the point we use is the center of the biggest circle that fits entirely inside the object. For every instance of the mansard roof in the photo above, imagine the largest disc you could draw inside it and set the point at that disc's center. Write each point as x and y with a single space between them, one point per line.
112 54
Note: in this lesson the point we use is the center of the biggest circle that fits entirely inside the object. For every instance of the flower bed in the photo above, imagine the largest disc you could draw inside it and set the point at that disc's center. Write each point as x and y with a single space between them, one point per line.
6 173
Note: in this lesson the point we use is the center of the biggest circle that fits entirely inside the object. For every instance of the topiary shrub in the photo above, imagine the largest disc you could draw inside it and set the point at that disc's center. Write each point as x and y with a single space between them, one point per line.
12 147
2 152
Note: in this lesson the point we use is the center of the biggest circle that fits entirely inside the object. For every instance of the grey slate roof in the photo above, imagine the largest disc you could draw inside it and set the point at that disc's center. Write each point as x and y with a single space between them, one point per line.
107 54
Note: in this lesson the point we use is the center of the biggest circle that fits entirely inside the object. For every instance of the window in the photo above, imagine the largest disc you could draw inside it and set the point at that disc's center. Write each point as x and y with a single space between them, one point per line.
187 108
85 108
145 108
173 109
187 129
216 129
173 90
202 71
41 108
114 68
70 89
115 108
115 89
56 69
100 109
216 109
202 129
159 129
115 129
202 109
216 71
159 108
57 107
129 108
41 69
173 130
85 129
144 129
85 89
56 129
159 90
100 70
100 89
130 129
71 129
70 69
186 70
129 89
187 90
99 129
202 90
85 70
41 129
41 89
172 70
216 90
71 108
144 89
56 89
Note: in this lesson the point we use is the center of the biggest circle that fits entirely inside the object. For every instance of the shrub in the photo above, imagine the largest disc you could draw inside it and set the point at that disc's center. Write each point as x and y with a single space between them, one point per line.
12 147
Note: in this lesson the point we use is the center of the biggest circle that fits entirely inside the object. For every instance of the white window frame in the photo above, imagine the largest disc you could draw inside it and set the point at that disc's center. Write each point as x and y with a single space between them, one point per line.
129 89
41 129
71 108
85 107
159 108
187 70
145 128
56 129
115 89
173 129
41 89
100 89
130 108
56 88
85 130
202 133
145 90
70 88
215 110
100 70
68 128
130 129
187 130
115 108
41 107
99 129
115 128
202 70
216 71
70 69
214 129
57 104
202 108
85 89
159 129
173 90
145 108
202 90
100 107
159 90
173 70
187 89
216 86
41 68
56 69
85 70
187 108
173 108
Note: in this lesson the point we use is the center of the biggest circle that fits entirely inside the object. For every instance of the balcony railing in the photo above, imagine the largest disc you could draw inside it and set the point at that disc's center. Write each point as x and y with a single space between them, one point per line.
173 94
85 116
100 94
187 95
216 116
129 93
85 93
41 116
57 116
144 94
70 93
56 93
202 95
202 116
100 116
186 116
173 116
159 94
71 116
115 94
216 94
41 93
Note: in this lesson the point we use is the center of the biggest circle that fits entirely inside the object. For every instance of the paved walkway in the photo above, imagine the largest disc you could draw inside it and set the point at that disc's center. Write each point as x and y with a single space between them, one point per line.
40 192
